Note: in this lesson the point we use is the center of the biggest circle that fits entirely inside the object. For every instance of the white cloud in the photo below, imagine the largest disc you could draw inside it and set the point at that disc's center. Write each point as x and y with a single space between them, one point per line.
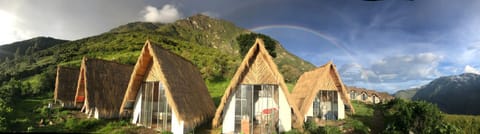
470 69
408 67
211 14
10 31
167 14
394 72
61 19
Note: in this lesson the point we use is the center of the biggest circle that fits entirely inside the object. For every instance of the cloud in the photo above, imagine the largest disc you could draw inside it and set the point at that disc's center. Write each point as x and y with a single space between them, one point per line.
10 31
211 14
69 20
470 69
393 72
408 67
167 14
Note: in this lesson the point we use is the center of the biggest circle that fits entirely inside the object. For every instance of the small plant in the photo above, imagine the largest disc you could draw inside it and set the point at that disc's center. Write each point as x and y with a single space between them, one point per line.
328 130
310 126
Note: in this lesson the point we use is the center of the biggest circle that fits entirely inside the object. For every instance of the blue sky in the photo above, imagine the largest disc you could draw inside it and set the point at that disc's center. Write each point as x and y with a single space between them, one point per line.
386 45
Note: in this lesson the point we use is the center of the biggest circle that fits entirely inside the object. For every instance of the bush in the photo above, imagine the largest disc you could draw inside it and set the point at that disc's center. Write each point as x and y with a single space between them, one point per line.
415 116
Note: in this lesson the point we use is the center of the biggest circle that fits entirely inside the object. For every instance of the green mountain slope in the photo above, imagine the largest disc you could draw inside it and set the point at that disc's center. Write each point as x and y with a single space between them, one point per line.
27 46
457 94
209 43
406 94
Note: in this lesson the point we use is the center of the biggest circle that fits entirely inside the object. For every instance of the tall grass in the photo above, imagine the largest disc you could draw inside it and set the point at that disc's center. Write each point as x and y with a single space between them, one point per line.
470 124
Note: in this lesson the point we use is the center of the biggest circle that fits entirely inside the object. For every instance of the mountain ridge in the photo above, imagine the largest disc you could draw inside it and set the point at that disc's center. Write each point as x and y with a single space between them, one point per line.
455 94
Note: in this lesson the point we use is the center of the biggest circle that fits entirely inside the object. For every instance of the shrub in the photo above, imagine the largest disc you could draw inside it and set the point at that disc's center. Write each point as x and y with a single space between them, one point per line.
415 116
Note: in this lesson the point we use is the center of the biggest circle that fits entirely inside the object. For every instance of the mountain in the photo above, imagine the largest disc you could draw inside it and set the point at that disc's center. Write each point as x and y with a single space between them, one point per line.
32 45
209 43
458 94
406 94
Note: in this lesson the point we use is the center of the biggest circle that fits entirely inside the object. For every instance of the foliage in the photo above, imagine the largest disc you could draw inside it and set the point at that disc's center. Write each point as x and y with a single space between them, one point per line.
362 109
4 111
357 126
468 123
416 116
245 42
79 125
328 130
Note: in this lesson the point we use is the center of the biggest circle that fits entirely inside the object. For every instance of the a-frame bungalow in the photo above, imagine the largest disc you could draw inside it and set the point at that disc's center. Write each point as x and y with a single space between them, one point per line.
65 86
321 95
166 92
101 87
257 99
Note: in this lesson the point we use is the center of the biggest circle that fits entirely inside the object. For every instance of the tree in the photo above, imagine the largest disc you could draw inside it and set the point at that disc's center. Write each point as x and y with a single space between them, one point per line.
245 42
17 54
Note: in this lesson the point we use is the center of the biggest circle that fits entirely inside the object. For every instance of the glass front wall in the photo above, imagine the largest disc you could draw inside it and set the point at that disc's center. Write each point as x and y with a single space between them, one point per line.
155 113
325 105
256 109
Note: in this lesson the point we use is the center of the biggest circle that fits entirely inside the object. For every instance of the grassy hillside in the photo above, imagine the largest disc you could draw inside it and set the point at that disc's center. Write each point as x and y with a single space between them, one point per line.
406 94
209 43
27 47
456 94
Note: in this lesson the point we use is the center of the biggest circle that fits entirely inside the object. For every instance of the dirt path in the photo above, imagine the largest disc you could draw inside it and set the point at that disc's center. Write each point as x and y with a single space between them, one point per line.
378 121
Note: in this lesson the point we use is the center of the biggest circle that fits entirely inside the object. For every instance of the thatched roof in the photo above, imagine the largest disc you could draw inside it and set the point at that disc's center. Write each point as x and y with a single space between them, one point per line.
66 84
310 83
185 88
256 68
103 84
382 95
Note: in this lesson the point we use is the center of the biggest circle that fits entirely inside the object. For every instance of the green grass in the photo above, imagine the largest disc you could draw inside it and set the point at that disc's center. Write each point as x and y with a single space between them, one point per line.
290 86
362 109
468 123
217 89
363 121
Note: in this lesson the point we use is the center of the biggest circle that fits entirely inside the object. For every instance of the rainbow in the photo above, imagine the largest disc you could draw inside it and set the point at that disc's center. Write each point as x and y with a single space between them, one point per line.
325 36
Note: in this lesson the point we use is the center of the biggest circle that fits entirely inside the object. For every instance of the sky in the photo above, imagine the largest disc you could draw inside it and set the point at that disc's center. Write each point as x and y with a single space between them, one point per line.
385 45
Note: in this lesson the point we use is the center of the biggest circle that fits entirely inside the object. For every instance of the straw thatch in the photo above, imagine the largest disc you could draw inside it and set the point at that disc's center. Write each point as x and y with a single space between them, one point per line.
185 89
310 83
103 84
65 85
383 96
256 68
